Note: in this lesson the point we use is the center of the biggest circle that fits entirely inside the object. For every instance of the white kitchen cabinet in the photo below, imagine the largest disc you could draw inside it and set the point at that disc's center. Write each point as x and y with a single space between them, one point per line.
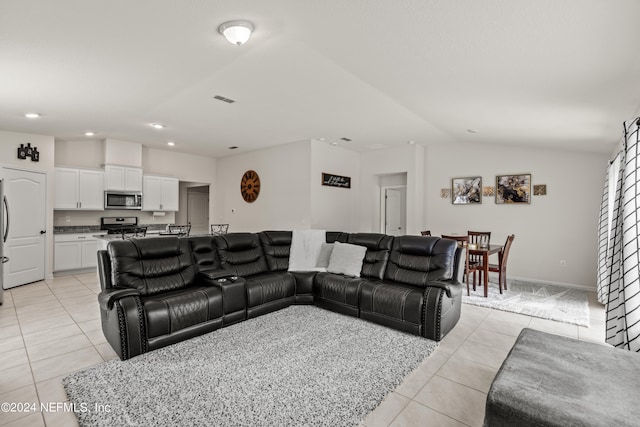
79 189
74 251
122 178
160 193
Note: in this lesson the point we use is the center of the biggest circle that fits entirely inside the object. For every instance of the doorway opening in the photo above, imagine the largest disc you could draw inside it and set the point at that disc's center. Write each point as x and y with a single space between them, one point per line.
194 207
393 204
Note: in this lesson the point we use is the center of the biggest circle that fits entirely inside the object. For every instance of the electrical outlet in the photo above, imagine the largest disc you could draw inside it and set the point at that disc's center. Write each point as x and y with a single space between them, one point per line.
67 218
563 263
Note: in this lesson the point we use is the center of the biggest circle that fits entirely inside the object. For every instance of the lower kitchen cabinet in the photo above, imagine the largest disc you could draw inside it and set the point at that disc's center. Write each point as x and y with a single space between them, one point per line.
74 252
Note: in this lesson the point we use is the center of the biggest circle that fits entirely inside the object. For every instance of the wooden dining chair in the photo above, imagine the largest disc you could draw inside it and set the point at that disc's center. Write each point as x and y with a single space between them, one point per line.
425 233
501 266
475 261
463 241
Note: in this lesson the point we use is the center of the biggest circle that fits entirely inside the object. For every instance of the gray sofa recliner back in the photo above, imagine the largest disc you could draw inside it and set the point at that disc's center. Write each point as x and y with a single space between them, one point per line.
158 291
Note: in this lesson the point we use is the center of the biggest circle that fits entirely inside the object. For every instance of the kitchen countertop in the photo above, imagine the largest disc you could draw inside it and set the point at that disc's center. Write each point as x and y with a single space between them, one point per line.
88 229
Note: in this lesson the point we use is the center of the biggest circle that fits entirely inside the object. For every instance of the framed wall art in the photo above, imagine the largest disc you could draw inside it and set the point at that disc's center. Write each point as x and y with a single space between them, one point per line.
512 189
466 191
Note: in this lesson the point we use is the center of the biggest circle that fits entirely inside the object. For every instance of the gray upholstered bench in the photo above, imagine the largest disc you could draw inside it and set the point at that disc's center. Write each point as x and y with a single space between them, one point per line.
549 380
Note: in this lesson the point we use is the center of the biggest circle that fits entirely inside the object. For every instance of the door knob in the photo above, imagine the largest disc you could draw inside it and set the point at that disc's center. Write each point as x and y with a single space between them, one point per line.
4 259
43 231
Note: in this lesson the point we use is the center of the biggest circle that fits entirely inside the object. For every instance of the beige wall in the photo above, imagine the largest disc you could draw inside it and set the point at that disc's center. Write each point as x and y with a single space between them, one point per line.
284 202
333 208
559 226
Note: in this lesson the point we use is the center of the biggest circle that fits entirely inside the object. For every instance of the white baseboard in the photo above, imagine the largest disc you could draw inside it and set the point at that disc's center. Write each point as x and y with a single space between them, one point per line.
548 282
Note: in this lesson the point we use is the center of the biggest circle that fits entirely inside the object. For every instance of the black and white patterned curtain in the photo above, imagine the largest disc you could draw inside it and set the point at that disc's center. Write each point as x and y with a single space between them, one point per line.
619 245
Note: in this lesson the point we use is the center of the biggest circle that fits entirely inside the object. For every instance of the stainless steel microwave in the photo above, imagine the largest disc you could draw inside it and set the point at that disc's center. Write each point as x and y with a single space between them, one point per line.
122 200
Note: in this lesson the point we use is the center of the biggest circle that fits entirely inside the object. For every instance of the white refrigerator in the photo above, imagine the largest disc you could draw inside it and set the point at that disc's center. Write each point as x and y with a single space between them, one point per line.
4 232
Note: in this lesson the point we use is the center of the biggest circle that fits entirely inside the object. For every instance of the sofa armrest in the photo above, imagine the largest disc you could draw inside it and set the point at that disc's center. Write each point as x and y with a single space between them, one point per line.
108 297
449 286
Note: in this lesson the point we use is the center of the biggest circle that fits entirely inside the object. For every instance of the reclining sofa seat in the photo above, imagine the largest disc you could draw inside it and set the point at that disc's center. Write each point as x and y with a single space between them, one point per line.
420 292
150 295
341 293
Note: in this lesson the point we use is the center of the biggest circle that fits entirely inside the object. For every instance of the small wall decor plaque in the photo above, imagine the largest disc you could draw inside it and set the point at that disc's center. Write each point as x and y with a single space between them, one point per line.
28 151
445 193
540 190
488 191
336 180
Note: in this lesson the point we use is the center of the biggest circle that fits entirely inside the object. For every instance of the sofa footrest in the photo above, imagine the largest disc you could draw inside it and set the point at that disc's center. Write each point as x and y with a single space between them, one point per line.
549 380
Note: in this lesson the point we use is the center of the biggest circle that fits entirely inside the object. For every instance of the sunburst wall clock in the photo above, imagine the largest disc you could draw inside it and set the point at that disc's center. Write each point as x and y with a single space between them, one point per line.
250 186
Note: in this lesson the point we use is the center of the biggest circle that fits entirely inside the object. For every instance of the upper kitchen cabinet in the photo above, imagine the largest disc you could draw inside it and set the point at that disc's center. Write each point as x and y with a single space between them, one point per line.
79 189
159 193
122 178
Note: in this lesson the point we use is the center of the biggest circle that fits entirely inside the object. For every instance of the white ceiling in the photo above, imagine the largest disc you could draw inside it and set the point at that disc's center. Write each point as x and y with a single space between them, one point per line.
545 73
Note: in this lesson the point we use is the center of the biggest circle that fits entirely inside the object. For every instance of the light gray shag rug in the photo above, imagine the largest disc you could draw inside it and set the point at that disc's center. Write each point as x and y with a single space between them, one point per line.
567 305
299 366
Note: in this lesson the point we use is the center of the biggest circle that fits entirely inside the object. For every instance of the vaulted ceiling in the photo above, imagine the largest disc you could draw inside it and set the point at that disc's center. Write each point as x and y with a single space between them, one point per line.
545 73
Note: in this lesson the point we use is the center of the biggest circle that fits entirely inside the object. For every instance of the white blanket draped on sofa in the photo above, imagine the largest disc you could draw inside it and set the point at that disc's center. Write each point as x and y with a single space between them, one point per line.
305 250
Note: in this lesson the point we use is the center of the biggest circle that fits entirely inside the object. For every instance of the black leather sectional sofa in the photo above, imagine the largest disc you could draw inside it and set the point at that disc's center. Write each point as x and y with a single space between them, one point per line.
159 291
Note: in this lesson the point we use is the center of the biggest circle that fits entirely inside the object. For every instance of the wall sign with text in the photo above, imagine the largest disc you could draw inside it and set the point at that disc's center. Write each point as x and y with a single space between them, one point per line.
336 180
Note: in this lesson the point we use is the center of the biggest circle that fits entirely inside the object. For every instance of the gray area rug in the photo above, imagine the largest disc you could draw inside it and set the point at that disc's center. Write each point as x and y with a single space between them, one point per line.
299 366
565 305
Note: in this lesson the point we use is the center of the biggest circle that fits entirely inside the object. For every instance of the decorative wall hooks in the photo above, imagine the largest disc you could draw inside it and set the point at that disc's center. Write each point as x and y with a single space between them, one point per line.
28 151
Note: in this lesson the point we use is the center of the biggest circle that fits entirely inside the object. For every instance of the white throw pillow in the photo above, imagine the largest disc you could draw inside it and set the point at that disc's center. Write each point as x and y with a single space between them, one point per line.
346 259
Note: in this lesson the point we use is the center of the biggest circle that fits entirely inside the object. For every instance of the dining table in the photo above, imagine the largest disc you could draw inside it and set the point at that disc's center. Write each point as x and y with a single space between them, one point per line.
485 252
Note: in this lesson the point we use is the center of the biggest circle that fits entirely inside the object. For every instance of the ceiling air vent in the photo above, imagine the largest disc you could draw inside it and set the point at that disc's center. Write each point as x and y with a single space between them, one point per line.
222 98
346 139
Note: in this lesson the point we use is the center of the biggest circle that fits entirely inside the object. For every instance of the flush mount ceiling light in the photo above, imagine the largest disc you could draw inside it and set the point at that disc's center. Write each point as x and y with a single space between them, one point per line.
32 115
237 32
157 125
171 143
89 133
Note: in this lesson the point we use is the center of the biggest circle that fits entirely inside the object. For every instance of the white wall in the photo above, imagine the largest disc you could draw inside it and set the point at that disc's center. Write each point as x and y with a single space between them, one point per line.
9 143
333 208
559 226
83 153
284 202
374 164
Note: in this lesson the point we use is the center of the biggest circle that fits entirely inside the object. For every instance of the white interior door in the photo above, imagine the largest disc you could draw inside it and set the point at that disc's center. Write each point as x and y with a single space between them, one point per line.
395 211
198 212
26 193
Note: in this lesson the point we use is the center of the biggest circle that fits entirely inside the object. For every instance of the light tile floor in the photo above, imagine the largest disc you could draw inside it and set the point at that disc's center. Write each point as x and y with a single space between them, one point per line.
51 328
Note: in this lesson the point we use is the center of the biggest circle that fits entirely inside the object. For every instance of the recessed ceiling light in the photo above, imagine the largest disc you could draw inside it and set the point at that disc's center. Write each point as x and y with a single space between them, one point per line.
472 131
171 143
157 125
89 133
32 115
334 144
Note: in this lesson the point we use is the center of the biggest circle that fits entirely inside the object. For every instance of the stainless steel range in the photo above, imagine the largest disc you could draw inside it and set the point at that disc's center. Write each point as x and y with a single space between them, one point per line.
125 226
